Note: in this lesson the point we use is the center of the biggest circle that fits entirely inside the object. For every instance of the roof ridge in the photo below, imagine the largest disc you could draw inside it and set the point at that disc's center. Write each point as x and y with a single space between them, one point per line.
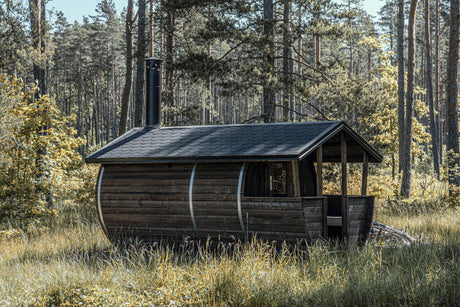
256 124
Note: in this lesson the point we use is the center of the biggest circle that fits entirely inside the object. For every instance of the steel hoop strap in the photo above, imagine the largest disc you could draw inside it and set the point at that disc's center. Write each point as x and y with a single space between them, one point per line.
238 199
99 209
190 199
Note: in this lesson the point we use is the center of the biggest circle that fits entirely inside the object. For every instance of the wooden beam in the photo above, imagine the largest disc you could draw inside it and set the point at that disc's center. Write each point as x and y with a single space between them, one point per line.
344 164
365 173
319 170
270 176
296 178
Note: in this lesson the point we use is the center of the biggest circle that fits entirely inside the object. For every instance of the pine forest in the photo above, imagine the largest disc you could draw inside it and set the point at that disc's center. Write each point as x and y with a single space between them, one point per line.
69 88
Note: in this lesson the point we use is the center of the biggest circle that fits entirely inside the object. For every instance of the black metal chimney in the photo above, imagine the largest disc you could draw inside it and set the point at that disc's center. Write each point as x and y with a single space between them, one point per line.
153 92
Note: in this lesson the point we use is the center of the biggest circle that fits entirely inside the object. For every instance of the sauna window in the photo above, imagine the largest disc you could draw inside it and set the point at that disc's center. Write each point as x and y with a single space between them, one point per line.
265 179
278 179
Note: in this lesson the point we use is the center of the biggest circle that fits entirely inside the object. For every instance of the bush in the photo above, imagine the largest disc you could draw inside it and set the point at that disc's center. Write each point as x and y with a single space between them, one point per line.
38 153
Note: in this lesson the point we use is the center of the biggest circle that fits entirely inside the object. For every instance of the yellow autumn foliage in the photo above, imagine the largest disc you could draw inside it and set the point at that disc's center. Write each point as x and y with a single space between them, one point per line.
385 116
37 155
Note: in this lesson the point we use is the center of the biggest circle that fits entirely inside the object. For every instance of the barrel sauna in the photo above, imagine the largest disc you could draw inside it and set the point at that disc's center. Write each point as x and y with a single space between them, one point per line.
200 201
214 201
230 182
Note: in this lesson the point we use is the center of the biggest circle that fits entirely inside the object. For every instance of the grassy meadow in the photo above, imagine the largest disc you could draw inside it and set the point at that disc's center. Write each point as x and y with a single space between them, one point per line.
74 264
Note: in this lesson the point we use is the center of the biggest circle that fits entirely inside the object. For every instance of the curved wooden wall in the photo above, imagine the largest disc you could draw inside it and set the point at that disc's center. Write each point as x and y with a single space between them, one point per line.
215 200
148 200
197 201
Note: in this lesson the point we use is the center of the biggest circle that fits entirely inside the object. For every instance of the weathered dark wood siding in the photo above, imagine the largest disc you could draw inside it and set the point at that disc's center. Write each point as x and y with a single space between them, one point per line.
152 200
360 212
215 200
271 218
146 199
315 213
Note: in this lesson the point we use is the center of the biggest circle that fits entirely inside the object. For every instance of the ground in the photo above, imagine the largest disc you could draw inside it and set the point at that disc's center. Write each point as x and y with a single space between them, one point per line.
73 263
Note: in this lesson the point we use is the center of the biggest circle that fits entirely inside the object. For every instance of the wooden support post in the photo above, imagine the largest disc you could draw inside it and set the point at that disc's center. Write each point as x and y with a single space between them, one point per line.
343 150
365 172
344 164
319 171
296 178
269 176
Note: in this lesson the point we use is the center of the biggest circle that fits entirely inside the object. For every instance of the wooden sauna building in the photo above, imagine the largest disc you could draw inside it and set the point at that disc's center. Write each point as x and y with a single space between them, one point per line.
230 182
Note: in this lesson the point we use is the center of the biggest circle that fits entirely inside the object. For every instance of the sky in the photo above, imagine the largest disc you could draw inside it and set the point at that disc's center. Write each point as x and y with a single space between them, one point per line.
76 9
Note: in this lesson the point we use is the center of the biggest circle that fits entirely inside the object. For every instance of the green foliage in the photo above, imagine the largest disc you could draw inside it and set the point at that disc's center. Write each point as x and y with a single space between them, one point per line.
12 32
37 154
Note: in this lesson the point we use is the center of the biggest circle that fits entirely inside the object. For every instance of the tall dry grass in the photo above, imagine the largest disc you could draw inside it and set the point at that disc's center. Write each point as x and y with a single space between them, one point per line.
76 265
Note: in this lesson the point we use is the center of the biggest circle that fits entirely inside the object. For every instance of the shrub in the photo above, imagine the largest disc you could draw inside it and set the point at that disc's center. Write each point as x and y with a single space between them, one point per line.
36 156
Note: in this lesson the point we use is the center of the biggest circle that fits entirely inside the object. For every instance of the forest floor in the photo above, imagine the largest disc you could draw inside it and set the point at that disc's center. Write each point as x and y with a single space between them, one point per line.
74 264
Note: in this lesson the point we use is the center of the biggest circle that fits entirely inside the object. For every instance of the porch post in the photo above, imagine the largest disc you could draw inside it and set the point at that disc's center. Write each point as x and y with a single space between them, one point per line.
345 223
319 171
344 164
296 178
365 172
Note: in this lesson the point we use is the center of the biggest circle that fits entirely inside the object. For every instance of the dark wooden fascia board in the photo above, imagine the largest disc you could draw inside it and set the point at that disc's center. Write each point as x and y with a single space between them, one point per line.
192 160
311 146
364 144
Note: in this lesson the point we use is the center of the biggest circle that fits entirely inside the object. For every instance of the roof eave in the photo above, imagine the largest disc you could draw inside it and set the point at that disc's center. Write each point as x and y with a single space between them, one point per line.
329 133
190 159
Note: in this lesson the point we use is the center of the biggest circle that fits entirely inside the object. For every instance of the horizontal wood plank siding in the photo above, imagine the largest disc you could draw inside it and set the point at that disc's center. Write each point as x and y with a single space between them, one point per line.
147 199
360 213
274 219
314 212
214 200
153 200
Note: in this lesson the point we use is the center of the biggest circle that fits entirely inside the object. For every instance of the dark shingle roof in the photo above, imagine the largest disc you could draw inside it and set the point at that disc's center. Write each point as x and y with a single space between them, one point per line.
220 142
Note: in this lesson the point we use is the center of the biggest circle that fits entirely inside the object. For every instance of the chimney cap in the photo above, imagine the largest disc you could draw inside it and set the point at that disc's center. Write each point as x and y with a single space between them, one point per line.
153 59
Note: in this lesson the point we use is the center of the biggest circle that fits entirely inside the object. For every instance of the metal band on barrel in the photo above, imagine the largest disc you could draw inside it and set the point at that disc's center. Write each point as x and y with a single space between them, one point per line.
190 199
101 219
238 199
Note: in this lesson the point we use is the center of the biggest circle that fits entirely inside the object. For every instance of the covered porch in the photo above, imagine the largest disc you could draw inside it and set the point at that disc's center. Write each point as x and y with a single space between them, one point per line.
340 216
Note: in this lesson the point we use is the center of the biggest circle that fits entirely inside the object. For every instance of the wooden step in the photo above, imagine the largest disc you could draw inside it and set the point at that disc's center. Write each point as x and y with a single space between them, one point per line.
334 221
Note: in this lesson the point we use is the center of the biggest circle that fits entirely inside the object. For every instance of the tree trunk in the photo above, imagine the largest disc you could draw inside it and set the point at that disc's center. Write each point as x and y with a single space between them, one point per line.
369 64
350 47
401 90
317 51
168 96
37 14
43 81
287 55
452 92
407 167
429 90
436 81
35 8
151 44
350 42
141 49
129 69
269 63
